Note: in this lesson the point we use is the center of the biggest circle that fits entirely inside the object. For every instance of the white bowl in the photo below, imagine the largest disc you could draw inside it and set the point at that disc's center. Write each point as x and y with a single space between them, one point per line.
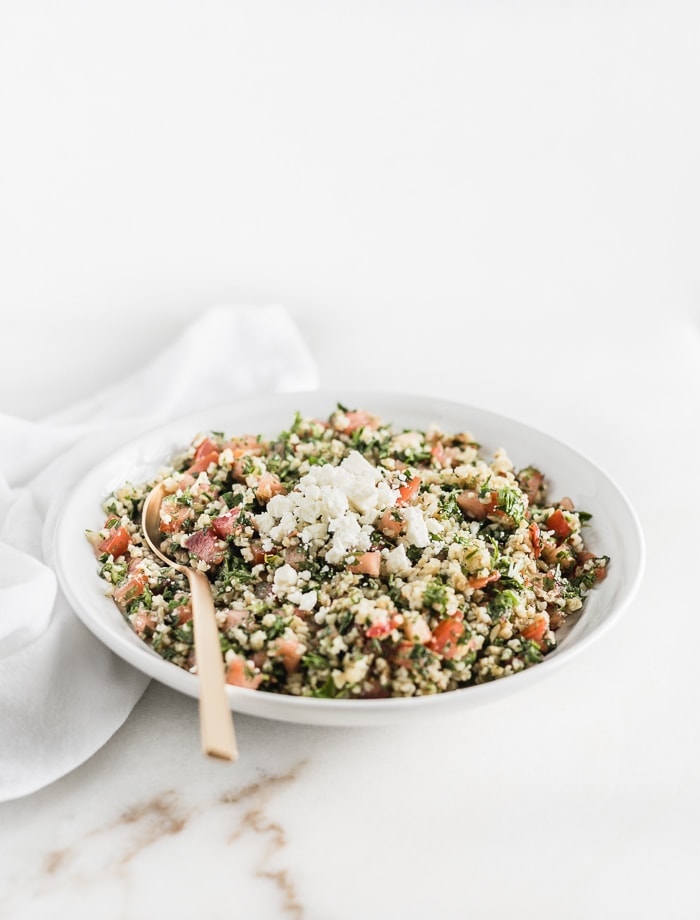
613 531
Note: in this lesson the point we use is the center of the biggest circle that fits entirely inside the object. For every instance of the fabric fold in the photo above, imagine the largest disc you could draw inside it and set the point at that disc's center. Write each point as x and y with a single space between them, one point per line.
50 663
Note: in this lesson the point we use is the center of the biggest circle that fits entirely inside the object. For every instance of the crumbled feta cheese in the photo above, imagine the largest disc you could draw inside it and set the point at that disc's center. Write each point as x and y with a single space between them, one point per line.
339 503
416 529
434 526
347 536
397 562
287 525
284 580
308 600
359 467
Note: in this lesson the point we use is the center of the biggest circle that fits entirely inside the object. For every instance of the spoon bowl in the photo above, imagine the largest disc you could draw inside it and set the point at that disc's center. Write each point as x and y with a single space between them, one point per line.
215 717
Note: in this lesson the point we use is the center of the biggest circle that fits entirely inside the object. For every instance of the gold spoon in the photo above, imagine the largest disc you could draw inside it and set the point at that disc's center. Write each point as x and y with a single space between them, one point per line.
215 717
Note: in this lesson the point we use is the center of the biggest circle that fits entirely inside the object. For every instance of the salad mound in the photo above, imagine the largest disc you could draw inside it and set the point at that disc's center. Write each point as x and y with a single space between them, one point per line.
349 559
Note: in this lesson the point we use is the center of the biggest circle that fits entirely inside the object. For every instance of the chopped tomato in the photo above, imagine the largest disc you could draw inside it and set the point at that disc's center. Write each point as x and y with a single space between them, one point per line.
437 452
116 543
143 622
295 556
402 654
238 470
389 525
234 618
482 581
535 631
184 614
186 481
367 564
258 553
226 524
204 544
535 540
248 444
131 589
409 491
382 628
443 456
600 571
472 505
240 674
558 523
269 485
289 652
446 636
206 453
530 480
173 515
558 554
359 419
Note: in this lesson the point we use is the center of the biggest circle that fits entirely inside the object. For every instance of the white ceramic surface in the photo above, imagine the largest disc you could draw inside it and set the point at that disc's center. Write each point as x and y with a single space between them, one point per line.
614 531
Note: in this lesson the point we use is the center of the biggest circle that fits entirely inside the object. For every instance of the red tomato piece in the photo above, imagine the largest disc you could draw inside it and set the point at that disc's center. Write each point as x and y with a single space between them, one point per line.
367 564
437 452
184 614
206 453
402 655
248 444
388 524
173 515
258 552
240 674
269 485
600 571
289 653
131 589
226 524
535 631
473 507
535 539
530 480
295 556
558 523
144 621
382 628
204 544
116 543
483 580
446 636
409 491
360 419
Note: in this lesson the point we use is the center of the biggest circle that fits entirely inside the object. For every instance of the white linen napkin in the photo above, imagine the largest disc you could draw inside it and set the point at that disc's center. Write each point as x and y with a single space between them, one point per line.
62 693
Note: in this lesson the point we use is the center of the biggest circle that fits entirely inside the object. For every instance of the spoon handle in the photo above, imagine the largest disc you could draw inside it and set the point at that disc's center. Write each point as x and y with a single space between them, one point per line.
216 719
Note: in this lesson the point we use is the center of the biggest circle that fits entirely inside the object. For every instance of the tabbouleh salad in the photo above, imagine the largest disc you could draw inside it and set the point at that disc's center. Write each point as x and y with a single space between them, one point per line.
348 559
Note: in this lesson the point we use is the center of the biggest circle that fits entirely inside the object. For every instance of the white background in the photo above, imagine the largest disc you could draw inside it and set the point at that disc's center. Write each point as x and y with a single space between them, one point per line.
497 202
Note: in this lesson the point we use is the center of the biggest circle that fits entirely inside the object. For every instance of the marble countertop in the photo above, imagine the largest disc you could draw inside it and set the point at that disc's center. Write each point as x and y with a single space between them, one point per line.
498 206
